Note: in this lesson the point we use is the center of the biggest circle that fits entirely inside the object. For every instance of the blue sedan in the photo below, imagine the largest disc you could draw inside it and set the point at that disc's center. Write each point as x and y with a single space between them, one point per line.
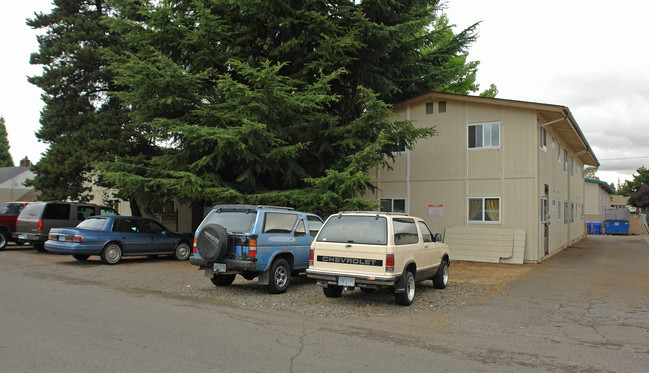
112 237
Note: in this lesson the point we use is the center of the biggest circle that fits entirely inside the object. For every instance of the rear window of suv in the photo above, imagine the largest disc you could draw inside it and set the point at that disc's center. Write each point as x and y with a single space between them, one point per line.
232 221
57 211
369 230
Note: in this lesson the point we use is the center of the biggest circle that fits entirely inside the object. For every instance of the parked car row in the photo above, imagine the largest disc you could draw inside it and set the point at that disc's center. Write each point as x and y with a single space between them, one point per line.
85 229
370 250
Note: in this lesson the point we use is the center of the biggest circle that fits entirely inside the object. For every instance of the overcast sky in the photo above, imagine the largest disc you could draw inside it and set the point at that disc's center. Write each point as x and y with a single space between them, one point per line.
590 56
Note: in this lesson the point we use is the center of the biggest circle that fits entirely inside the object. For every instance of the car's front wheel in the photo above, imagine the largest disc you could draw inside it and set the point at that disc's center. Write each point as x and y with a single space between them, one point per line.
111 254
182 251
440 280
280 276
3 239
406 297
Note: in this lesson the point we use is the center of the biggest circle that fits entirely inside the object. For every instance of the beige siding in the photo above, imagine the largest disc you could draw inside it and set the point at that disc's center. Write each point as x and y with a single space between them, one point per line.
442 171
486 245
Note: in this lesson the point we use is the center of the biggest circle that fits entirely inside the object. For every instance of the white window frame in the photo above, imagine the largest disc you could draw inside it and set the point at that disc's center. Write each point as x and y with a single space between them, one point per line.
558 152
565 160
482 147
392 199
565 212
545 210
483 221
559 208
572 212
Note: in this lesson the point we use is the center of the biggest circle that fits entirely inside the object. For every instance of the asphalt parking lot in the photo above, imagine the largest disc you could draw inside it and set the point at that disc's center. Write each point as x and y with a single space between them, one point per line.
584 309
468 283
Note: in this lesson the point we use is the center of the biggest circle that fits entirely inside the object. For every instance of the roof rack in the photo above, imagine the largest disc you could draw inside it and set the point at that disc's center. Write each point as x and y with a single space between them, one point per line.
373 212
249 207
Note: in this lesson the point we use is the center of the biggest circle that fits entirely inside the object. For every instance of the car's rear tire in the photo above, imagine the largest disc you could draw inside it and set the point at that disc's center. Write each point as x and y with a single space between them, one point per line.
440 280
111 254
80 257
3 239
182 251
223 280
212 242
406 297
333 291
280 276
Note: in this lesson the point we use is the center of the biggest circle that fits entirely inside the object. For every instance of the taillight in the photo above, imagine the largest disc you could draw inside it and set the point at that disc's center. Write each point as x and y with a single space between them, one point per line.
252 247
40 224
77 239
194 245
52 236
311 257
389 263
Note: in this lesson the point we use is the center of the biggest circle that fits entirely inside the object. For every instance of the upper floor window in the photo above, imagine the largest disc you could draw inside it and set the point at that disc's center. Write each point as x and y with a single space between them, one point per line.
429 107
442 106
393 204
565 160
543 138
484 135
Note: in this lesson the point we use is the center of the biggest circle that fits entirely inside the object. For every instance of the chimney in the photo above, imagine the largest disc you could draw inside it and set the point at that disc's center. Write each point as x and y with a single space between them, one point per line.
25 162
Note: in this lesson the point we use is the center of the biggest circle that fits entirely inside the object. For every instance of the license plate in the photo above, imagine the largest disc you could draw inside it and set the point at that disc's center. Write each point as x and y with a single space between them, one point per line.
346 281
61 238
22 236
219 267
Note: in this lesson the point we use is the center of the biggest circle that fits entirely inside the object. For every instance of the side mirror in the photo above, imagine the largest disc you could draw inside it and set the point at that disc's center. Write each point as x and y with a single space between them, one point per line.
438 237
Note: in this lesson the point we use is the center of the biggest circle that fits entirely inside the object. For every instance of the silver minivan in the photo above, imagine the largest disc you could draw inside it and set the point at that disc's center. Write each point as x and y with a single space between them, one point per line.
37 218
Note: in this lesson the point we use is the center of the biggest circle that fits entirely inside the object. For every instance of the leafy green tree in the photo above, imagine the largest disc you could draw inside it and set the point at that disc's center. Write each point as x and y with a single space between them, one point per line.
591 173
274 101
631 187
5 156
80 122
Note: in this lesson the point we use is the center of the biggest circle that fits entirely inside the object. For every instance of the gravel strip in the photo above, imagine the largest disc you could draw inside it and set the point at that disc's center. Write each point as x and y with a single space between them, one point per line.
168 276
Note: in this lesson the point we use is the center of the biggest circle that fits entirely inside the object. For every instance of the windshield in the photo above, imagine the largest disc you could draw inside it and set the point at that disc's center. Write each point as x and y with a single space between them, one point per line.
93 224
370 230
11 208
232 221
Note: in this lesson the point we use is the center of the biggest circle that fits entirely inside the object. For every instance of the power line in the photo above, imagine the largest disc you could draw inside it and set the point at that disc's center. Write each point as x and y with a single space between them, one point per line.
620 159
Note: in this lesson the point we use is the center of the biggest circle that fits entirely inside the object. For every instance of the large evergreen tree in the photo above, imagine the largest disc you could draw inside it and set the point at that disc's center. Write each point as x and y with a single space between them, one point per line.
80 122
5 156
274 101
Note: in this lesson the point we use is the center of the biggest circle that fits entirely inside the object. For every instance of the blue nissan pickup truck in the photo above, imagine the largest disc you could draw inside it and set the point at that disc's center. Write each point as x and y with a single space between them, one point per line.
266 242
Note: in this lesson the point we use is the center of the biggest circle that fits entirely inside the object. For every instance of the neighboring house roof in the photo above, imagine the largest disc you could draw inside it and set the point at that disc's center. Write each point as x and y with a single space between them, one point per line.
603 184
556 117
618 200
9 173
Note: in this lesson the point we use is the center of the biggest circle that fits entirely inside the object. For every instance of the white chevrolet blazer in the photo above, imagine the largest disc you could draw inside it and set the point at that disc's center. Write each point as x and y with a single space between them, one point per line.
373 250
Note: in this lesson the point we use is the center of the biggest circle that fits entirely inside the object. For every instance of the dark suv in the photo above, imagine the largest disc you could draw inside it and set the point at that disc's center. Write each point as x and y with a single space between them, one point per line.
37 218
266 242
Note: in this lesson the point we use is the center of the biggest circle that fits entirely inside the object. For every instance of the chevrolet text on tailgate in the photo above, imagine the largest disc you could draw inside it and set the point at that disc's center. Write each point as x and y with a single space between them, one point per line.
265 242
375 250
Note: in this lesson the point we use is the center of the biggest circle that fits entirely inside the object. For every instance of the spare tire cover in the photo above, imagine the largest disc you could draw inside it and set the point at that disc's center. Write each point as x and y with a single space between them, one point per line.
212 242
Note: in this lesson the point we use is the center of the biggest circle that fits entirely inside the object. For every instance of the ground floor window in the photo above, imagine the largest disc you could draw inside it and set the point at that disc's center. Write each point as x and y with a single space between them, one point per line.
393 205
565 212
484 209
